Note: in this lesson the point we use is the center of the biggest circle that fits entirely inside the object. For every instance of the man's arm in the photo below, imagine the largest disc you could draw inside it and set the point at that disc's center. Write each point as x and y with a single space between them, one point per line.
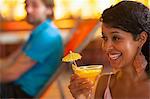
11 58
21 64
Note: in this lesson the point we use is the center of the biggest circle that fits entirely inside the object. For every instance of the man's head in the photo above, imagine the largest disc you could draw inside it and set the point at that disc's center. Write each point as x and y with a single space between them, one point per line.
39 10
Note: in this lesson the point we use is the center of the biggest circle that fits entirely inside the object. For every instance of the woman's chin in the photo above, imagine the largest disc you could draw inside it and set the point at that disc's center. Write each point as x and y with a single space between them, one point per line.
116 66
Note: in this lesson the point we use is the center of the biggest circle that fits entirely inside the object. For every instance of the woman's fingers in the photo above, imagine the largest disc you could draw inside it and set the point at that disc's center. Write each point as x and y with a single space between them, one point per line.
80 86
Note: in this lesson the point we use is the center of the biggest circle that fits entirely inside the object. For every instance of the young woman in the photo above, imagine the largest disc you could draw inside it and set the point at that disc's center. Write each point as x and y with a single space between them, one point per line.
125 34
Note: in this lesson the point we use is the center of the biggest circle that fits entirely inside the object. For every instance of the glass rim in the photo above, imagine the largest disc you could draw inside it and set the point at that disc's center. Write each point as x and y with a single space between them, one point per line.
90 66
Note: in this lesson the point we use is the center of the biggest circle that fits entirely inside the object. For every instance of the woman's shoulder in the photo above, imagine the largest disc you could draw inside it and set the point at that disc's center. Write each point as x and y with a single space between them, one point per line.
103 79
102 83
105 76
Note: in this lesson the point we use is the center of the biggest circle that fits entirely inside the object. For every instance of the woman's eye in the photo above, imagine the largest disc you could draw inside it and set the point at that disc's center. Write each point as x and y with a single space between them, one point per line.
116 38
104 38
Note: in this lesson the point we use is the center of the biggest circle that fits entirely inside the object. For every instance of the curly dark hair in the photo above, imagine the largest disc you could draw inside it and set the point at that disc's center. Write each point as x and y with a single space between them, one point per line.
133 17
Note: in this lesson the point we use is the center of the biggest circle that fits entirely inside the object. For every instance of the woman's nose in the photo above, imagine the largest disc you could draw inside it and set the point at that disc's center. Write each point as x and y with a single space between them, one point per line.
108 46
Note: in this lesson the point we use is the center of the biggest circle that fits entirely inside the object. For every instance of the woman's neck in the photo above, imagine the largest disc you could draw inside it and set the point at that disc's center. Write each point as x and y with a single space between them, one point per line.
128 73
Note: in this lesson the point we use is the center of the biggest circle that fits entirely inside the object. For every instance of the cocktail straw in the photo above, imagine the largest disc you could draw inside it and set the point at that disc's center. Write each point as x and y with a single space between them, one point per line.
74 60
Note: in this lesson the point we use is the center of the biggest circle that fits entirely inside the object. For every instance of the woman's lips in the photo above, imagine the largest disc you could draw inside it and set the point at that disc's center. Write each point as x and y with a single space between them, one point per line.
114 56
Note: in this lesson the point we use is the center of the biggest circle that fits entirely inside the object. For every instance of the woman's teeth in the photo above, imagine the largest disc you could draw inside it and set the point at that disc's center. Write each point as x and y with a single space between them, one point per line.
115 56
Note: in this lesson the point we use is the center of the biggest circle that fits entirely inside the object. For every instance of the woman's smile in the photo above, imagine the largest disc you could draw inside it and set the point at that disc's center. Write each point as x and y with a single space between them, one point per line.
114 58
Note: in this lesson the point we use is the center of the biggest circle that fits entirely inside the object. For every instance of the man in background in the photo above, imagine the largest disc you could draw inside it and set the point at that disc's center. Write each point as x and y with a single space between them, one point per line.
30 68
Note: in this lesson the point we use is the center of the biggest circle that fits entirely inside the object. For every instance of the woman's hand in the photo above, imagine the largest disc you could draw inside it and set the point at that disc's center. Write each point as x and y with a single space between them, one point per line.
80 86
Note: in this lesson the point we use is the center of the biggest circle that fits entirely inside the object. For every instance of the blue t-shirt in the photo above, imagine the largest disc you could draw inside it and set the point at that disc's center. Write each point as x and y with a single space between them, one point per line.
44 46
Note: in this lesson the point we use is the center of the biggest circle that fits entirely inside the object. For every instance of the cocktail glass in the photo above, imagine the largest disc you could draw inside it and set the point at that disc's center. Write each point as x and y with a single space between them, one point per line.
91 72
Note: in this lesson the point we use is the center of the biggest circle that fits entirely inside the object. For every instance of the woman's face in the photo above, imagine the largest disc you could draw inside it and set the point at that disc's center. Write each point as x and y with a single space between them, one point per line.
119 46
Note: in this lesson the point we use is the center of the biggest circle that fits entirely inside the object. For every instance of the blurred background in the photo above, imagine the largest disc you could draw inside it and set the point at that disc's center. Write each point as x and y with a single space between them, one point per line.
79 26
67 13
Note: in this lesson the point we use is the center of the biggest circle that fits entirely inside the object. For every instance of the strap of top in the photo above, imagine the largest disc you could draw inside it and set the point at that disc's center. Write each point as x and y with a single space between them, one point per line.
107 94
108 83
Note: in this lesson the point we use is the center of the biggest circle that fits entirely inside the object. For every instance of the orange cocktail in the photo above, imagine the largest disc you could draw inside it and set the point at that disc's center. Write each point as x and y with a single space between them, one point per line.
91 71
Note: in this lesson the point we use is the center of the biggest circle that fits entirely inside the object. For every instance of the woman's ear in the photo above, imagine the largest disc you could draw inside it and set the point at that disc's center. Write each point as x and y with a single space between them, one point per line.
142 38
